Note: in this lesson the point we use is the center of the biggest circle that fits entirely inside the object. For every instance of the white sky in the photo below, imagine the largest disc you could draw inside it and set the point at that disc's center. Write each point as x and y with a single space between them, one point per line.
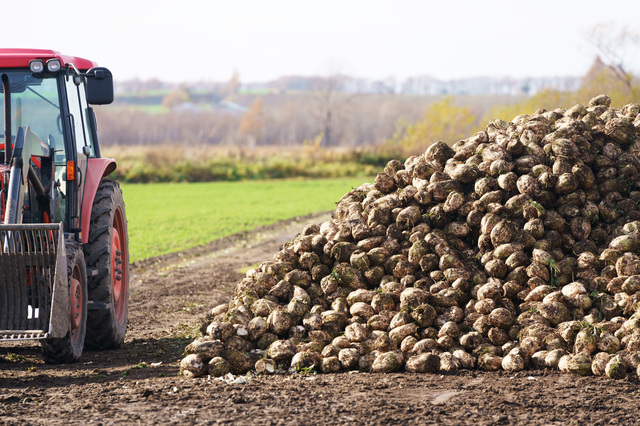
189 40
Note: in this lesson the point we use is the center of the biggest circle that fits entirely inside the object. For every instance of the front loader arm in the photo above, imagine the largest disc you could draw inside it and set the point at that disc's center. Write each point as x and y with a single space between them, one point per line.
27 144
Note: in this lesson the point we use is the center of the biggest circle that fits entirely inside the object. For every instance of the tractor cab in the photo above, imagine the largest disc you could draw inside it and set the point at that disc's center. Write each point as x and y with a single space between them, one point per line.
49 100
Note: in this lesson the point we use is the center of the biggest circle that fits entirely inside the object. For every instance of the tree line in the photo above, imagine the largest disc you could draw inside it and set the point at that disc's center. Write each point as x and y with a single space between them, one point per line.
337 119
285 119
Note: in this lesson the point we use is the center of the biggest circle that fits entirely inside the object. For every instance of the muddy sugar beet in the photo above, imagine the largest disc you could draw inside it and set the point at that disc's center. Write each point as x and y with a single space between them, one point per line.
516 248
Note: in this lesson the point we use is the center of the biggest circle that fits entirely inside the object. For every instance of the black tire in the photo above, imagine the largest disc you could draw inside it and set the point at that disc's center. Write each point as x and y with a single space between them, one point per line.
69 348
107 256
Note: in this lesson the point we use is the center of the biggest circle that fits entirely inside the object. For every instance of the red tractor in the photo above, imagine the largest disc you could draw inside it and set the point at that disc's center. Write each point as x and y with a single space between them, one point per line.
64 254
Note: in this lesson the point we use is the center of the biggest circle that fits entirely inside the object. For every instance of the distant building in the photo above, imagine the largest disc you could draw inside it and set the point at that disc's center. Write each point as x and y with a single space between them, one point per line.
231 107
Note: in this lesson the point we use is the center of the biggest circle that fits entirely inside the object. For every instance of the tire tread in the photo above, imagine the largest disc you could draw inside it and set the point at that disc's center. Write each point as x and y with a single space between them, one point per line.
103 331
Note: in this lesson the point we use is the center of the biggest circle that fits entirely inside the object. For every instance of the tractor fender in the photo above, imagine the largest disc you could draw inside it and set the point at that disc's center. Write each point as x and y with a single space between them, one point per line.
97 168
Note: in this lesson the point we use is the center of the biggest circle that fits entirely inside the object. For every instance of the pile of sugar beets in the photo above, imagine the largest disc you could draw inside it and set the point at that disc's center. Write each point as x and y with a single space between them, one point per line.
516 248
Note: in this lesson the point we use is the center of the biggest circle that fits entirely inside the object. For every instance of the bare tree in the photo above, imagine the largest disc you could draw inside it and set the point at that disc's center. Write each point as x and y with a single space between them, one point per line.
615 45
252 123
329 97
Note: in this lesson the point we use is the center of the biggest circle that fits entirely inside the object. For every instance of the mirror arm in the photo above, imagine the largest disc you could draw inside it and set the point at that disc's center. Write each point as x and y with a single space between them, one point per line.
73 67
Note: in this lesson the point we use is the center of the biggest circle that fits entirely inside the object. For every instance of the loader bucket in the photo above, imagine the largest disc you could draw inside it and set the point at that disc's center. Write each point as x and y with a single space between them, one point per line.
34 295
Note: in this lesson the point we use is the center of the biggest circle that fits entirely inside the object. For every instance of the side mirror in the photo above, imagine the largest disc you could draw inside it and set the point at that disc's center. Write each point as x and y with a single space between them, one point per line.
99 86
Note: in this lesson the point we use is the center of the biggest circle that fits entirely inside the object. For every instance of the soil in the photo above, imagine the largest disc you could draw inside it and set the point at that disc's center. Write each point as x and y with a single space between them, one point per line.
139 382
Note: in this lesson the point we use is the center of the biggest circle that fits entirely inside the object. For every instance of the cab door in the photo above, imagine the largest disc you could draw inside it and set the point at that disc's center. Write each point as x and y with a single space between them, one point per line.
76 101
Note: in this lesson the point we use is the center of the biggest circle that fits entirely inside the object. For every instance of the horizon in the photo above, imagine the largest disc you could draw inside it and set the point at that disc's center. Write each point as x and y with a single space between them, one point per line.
355 77
412 85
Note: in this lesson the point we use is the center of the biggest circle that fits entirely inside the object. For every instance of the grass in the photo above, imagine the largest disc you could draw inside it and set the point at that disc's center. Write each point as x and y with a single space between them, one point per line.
170 217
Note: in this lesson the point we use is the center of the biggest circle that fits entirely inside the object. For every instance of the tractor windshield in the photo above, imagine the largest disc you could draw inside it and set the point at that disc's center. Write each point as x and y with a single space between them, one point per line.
34 103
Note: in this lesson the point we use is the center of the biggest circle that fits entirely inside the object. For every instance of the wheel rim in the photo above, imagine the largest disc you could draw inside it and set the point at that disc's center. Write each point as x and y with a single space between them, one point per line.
76 303
118 265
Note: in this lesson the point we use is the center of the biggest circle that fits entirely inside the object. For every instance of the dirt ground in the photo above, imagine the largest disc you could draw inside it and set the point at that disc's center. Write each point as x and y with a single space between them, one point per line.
139 383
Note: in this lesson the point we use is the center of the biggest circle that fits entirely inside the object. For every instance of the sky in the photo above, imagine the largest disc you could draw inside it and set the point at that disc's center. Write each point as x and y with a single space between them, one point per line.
207 40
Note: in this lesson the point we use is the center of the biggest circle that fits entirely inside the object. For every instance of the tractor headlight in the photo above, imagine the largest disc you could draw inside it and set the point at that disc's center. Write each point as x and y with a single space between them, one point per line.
54 65
36 66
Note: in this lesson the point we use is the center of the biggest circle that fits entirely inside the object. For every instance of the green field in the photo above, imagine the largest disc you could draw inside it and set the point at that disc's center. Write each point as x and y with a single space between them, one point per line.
169 217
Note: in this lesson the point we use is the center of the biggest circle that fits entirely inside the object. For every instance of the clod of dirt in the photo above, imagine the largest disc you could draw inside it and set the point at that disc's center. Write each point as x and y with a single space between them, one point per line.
516 248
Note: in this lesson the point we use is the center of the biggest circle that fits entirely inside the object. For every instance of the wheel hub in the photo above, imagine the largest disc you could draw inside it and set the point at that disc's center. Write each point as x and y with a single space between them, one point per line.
76 303
116 264
118 259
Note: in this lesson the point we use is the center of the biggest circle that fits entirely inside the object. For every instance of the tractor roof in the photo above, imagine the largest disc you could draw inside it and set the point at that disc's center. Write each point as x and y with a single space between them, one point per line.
19 58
